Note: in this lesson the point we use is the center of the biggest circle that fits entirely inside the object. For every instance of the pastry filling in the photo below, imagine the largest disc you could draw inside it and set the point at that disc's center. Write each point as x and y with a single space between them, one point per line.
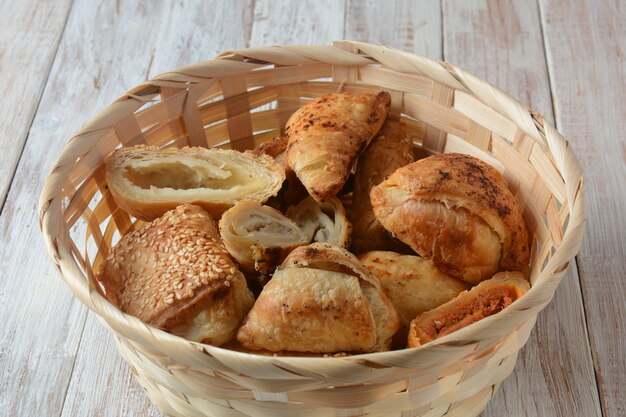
189 174
485 304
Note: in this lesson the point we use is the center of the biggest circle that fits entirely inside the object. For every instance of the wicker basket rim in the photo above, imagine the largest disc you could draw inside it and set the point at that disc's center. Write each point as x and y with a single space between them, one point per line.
56 234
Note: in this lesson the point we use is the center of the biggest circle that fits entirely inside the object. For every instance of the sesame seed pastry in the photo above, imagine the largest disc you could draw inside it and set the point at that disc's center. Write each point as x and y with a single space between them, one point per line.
456 211
328 134
390 150
322 222
147 181
259 237
487 298
174 273
321 299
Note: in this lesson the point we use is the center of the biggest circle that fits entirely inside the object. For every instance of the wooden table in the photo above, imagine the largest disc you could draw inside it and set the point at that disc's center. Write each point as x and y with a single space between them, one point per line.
61 62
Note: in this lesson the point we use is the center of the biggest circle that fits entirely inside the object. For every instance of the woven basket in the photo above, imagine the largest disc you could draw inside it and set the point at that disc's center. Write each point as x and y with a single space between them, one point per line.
244 97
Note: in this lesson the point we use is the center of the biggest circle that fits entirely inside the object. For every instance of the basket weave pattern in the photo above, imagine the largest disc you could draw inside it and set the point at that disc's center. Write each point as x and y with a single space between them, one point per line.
243 98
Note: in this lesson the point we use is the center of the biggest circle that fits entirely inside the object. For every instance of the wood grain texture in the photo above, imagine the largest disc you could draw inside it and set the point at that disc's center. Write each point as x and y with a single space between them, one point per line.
413 26
297 23
102 384
29 37
489 38
586 49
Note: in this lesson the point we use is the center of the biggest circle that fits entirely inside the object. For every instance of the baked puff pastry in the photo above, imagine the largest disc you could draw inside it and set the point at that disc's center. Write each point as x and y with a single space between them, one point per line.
292 190
259 237
147 181
327 135
321 299
322 222
390 150
487 298
174 273
412 283
456 211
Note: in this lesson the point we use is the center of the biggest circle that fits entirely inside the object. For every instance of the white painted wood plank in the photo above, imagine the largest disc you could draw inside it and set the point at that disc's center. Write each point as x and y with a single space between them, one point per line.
501 42
489 38
190 32
102 384
413 26
586 49
286 22
29 34
177 34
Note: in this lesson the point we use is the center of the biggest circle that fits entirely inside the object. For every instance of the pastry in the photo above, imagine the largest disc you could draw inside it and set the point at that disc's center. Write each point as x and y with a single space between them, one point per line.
292 190
147 181
174 273
259 237
390 150
321 299
412 283
322 222
456 211
275 148
487 298
327 135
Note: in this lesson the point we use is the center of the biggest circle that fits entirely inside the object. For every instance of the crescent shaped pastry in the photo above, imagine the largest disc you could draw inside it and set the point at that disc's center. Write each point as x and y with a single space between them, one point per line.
259 237
327 135
487 298
174 273
390 150
147 181
412 283
456 211
321 299
322 222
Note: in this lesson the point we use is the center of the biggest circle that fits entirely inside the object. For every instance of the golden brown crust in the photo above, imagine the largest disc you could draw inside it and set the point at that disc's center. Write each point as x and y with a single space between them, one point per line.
292 190
321 299
487 298
457 211
390 150
173 269
259 237
327 135
412 283
147 181
274 147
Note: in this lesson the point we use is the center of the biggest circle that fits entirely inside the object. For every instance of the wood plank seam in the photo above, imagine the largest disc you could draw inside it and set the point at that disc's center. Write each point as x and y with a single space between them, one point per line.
575 266
593 354
32 119
547 58
69 380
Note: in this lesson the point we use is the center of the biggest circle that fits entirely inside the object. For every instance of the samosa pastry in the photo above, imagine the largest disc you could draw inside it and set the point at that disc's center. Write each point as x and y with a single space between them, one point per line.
322 222
327 135
259 237
412 283
390 150
456 211
487 298
174 273
321 299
